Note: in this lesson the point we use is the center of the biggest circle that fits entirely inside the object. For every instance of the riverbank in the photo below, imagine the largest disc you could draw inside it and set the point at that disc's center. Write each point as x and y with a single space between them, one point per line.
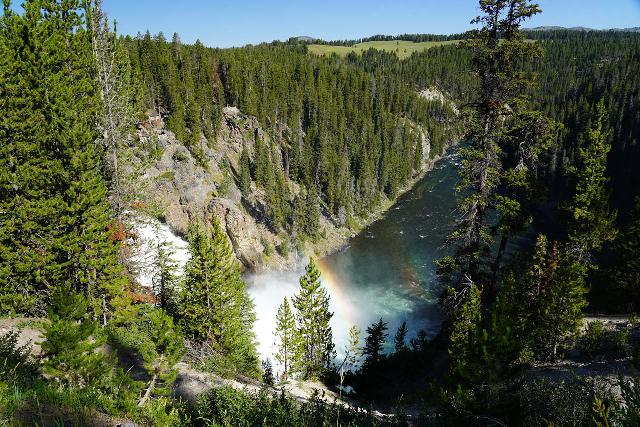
340 237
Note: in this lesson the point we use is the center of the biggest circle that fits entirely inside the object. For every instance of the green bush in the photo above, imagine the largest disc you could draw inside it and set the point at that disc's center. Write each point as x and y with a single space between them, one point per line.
15 362
267 246
591 341
597 340
283 247
562 402
219 364
227 406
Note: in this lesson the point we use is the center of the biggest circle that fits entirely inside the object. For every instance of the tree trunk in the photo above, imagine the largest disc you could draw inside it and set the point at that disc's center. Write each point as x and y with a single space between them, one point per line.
498 261
147 393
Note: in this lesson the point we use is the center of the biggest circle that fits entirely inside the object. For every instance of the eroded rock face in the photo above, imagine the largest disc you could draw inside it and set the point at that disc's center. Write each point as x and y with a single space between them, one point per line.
244 233
190 188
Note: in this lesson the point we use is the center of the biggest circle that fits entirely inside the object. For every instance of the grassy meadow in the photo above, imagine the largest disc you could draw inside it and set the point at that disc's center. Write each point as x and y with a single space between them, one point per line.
402 48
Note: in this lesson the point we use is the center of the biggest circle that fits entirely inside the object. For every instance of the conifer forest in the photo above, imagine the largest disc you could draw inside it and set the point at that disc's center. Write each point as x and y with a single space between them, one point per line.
377 230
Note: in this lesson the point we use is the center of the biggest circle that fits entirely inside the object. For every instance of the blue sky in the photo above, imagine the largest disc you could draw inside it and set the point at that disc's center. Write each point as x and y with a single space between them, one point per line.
225 23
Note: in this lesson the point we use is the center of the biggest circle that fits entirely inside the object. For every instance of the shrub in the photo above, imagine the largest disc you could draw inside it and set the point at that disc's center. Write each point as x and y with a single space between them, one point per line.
597 340
592 338
227 406
563 403
15 362
283 247
219 364
266 245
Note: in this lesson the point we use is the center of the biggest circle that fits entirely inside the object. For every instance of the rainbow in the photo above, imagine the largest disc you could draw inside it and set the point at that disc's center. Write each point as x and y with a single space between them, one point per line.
339 296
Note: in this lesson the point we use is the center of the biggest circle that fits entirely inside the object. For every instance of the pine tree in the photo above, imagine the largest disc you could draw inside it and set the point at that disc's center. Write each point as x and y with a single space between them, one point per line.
592 223
159 360
464 330
399 340
352 351
542 303
164 280
215 305
69 353
313 317
55 217
626 272
287 340
497 48
312 219
245 172
267 372
374 343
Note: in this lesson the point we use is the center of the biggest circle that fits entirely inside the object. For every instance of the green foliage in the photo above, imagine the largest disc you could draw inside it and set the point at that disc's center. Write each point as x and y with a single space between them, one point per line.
600 341
353 350
69 343
267 373
625 273
399 340
374 343
162 349
214 305
16 364
313 317
497 49
164 280
465 317
288 341
53 197
592 223
224 187
629 412
226 406
542 303
561 402
245 172
267 249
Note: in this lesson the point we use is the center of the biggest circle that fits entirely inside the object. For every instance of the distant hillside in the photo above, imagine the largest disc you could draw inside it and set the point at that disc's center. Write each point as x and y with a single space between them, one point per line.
305 39
557 28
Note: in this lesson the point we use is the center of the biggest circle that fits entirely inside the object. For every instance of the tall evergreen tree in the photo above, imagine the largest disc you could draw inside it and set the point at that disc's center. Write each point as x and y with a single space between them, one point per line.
399 340
464 330
313 317
245 172
374 343
497 49
215 305
70 354
287 340
55 221
592 223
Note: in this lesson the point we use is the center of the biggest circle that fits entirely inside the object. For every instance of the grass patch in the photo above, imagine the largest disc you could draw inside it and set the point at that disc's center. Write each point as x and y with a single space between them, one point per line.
168 175
402 48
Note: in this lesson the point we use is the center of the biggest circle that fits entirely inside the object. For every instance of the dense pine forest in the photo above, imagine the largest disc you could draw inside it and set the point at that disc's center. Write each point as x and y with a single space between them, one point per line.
546 125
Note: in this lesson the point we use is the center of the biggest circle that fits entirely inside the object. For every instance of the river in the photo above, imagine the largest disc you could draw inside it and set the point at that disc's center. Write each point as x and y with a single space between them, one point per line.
386 272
